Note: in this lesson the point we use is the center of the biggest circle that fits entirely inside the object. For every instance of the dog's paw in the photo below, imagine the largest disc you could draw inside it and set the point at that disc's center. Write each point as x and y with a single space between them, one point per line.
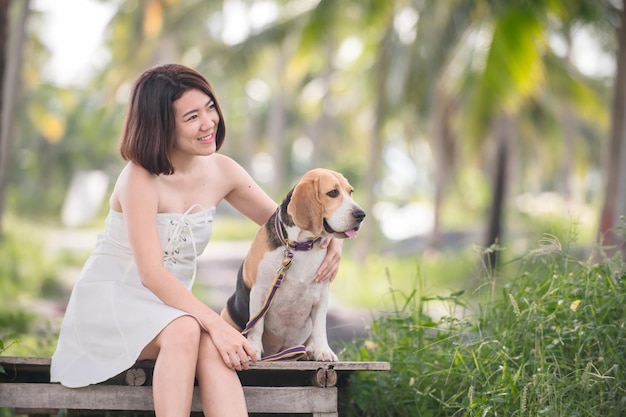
257 347
322 355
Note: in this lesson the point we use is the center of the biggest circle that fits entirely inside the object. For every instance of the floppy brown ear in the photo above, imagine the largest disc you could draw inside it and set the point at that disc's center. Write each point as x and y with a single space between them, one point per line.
305 208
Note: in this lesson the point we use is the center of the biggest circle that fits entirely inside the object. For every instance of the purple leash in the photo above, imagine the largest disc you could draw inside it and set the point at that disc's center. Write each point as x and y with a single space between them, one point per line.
296 352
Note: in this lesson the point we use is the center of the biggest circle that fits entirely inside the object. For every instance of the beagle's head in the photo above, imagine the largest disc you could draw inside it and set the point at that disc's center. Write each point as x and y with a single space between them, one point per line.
322 203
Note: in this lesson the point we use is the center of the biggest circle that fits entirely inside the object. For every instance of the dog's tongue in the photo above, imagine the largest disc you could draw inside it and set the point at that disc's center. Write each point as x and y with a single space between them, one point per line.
351 233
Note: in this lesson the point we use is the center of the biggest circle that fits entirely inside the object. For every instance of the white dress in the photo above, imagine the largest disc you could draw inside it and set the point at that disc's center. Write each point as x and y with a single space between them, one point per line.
111 316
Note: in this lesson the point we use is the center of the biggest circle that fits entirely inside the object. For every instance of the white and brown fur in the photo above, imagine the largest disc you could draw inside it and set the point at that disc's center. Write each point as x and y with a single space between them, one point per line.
320 204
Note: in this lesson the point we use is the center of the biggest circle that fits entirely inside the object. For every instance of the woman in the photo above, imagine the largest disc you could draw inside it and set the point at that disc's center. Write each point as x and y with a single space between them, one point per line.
133 299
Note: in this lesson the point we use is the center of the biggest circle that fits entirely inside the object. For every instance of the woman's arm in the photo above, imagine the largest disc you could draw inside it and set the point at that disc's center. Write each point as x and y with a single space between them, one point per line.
138 197
248 198
244 194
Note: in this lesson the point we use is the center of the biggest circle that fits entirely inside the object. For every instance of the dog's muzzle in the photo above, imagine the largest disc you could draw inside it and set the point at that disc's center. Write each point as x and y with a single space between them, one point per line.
358 216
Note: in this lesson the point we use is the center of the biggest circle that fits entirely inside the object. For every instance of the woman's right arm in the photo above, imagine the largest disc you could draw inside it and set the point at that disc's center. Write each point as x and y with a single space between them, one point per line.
136 192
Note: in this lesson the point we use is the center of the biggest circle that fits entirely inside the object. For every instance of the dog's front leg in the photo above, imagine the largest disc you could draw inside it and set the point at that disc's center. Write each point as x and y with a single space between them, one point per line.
255 334
317 347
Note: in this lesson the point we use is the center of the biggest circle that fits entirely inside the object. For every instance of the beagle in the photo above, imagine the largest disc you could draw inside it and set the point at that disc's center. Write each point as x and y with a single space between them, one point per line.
276 279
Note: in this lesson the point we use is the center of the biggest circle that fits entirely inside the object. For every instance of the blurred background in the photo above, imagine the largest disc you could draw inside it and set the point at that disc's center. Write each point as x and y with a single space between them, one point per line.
471 130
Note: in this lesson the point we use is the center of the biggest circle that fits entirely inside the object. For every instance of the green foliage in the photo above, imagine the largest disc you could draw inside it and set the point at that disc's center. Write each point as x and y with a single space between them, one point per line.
24 266
27 276
359 283
550 342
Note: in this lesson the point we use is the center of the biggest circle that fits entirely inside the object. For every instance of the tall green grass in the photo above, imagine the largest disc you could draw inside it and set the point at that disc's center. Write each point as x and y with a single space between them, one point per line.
550 341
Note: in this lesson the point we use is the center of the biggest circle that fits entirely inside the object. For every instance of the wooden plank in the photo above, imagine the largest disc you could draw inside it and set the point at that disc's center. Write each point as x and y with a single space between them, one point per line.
24 360
298 366
111 397
315 365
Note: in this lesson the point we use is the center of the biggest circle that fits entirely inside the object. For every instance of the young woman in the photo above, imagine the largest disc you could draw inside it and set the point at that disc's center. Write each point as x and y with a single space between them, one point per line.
133 300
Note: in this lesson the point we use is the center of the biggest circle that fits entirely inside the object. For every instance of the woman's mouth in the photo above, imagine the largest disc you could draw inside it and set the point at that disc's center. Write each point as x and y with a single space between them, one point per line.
207 138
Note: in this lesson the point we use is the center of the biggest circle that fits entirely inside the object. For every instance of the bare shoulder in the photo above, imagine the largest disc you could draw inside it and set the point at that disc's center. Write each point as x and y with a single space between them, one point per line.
133 176
242 192
132 179
231 171
227 164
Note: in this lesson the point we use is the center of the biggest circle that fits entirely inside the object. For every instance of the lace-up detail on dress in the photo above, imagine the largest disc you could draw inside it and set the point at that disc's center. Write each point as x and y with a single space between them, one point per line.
180 234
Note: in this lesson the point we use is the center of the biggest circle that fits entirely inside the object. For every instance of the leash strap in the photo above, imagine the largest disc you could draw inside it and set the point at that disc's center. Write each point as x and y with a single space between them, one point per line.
291 354
296 352
269 298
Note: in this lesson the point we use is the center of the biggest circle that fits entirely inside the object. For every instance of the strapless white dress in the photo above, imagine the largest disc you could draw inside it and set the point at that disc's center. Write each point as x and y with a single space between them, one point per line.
111 316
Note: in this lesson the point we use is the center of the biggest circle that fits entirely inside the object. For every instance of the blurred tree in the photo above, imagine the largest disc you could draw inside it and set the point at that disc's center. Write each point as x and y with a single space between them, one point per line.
513 77
512 72
614 204
4 146
334 84
11 45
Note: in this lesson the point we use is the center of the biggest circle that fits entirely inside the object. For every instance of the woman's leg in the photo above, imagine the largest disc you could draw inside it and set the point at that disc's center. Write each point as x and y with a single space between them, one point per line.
220 389
176 352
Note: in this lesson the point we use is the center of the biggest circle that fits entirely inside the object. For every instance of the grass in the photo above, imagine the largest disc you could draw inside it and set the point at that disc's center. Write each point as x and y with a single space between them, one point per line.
549 341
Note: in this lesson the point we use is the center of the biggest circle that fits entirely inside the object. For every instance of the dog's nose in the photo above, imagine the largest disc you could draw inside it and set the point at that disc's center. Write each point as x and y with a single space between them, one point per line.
358 215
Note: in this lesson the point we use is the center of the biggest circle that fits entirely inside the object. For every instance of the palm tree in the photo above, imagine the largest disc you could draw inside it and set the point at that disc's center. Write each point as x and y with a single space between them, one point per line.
10 83
614 191
4 143
513 77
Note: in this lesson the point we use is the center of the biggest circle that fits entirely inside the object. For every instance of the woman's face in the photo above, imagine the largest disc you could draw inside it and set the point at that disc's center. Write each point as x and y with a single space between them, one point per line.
196 123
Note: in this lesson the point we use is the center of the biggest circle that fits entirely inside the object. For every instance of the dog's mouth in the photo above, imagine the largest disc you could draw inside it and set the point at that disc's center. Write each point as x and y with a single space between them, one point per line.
351 233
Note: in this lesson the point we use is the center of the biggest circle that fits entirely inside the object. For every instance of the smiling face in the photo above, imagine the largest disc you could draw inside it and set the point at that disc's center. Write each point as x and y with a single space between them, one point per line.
197 121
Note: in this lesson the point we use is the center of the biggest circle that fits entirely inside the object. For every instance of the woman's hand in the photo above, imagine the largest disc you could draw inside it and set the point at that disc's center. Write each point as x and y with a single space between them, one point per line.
330 266
236 351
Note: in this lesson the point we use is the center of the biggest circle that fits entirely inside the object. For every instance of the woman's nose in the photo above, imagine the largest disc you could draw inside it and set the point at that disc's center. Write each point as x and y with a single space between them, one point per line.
209 120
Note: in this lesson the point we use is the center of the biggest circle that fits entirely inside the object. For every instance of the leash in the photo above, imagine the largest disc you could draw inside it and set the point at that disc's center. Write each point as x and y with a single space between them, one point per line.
296 352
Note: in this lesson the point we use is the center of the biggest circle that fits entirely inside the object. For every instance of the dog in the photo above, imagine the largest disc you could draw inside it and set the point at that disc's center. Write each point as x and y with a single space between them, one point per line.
283 260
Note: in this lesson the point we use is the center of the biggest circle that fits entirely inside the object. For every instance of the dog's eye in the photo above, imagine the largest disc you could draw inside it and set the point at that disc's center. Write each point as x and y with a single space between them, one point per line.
333 193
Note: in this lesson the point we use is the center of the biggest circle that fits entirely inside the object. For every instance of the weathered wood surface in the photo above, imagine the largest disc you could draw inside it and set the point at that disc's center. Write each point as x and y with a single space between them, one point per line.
275 366
121 397
269 387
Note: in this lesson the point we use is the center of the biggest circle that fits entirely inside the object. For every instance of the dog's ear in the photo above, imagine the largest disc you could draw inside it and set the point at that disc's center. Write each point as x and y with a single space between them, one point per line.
305 207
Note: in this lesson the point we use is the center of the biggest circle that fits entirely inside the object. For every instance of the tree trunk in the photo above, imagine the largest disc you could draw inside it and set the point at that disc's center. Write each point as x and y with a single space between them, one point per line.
503 137
276 132
568 121
444 148
320 127
10 75
376 143
609 216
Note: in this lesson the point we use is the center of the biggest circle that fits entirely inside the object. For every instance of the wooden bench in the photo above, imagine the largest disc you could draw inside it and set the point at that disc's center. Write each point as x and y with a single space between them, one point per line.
270 388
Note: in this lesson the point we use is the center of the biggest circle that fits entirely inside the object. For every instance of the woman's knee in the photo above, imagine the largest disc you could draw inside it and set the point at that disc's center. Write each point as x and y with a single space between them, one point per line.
184 331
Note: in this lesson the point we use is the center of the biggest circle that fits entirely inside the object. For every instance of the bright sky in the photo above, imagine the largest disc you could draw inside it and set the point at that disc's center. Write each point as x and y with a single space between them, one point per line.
72 30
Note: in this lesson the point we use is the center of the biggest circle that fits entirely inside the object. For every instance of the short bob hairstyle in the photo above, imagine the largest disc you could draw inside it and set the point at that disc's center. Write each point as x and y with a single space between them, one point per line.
148 134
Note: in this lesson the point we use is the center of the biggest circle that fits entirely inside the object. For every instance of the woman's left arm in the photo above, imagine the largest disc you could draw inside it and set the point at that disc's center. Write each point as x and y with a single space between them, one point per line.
249 199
